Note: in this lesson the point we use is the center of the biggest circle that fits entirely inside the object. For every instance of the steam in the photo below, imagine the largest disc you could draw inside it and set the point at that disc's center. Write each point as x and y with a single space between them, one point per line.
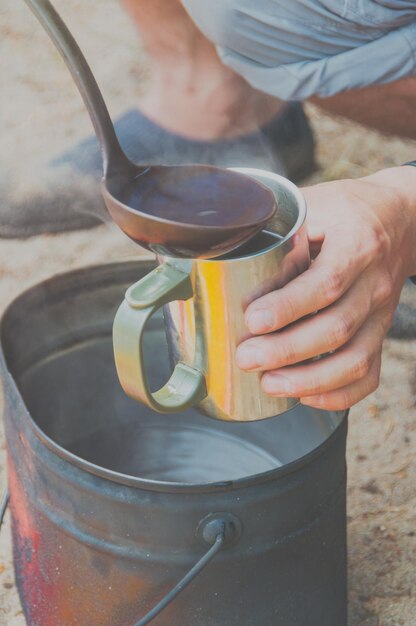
33 193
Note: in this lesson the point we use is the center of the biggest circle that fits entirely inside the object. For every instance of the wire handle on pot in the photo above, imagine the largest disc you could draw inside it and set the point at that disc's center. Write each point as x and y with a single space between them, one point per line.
188 578
3 506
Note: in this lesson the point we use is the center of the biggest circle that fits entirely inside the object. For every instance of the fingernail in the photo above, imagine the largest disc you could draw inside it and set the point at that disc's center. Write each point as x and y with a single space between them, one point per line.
260 320
249 357
277 385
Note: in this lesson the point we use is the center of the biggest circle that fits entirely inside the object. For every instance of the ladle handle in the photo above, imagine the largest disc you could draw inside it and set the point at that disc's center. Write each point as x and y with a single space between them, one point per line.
112 154
186 386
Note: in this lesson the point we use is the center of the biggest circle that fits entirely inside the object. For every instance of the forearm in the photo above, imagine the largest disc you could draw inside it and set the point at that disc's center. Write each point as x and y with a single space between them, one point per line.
389 108
402 180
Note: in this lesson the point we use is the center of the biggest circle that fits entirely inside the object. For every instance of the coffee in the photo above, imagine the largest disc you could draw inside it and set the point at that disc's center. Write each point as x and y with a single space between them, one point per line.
202 196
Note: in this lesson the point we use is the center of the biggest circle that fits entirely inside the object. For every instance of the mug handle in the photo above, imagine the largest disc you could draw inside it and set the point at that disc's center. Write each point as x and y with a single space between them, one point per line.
186 386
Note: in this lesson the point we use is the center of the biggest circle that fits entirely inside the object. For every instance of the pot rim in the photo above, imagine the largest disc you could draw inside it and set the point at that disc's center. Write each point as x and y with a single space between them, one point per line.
176 487
125 479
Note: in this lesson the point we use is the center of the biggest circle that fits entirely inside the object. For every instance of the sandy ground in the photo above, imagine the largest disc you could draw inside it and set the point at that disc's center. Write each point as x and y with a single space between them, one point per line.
42 115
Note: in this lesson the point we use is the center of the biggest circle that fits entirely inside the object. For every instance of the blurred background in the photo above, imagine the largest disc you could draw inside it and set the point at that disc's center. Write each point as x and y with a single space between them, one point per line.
42 116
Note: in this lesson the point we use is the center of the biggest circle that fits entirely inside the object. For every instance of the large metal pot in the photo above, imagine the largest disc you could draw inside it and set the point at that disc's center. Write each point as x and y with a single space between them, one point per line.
111 502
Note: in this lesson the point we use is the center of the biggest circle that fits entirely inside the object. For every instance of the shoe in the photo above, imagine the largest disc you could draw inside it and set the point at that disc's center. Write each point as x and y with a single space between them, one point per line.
285 145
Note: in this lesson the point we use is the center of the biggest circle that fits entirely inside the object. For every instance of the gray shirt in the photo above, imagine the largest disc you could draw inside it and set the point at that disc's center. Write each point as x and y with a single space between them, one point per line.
294 49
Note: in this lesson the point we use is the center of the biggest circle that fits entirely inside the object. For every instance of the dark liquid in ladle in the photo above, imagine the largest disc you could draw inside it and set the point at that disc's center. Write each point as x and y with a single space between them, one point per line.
200 195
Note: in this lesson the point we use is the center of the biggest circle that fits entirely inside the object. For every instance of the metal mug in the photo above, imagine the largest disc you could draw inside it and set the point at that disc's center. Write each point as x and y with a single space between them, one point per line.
204 303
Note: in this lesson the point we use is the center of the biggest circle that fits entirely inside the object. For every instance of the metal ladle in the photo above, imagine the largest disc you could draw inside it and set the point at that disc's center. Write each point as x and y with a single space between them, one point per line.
195 211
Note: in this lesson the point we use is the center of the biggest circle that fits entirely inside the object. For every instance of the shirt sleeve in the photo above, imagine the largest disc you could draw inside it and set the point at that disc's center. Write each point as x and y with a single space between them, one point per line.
299 48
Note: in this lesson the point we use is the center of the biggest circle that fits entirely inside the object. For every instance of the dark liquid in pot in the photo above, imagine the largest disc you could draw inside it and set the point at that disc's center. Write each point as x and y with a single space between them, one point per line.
197 195
174 453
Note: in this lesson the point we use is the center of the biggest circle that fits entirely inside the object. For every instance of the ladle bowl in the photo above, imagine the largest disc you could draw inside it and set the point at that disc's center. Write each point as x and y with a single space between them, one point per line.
195 211
232 219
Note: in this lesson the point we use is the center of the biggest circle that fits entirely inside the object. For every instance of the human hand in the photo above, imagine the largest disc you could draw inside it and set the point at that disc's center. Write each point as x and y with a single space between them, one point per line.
363 233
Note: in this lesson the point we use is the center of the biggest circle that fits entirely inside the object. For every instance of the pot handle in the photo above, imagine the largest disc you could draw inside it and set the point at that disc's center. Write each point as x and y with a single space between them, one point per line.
3 506
219 542
186 386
